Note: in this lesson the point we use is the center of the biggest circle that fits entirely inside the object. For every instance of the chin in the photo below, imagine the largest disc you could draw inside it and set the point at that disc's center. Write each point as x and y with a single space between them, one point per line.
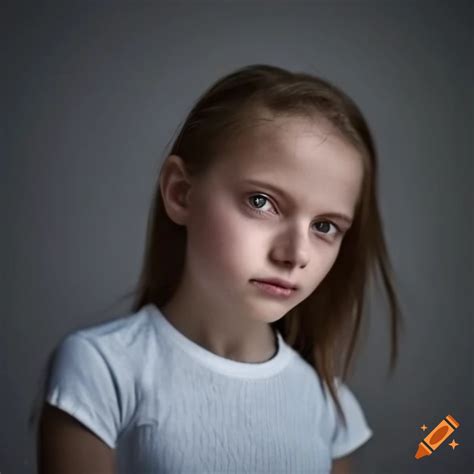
271 318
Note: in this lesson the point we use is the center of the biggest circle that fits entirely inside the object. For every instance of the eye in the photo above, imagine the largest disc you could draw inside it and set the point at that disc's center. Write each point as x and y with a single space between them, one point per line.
258 198
262 198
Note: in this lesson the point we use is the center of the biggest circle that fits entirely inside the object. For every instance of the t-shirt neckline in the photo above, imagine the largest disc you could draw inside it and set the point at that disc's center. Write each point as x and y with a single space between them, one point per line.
215 362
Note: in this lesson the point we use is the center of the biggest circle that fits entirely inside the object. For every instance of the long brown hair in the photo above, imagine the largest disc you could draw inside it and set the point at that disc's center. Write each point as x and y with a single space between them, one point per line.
326 324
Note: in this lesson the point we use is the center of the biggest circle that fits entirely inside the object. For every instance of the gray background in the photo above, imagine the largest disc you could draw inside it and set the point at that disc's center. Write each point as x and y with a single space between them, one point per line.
94 91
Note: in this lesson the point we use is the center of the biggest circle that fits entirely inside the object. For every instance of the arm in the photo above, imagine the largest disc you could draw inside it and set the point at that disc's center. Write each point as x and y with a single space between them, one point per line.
66 446
342 465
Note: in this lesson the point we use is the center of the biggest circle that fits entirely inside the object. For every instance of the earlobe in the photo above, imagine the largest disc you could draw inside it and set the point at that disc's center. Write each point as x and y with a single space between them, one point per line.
174 188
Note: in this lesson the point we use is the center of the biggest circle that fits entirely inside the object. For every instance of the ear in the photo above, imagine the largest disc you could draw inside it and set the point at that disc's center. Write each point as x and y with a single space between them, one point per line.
174 187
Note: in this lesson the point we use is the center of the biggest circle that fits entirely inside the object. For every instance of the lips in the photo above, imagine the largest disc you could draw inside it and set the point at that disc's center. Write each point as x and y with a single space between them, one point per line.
273 290
277 282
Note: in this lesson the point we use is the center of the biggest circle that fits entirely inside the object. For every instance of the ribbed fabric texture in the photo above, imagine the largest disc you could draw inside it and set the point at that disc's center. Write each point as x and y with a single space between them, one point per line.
167 405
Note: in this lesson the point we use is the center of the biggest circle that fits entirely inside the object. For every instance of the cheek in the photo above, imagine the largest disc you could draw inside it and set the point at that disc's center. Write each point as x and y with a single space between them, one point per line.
222 238
326 263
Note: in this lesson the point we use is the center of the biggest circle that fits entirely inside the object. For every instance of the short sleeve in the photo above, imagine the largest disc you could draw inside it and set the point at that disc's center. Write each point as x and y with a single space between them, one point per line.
82 384
345 440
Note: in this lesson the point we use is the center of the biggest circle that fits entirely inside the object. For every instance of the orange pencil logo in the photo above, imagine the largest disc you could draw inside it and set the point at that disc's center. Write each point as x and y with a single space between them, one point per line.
436 437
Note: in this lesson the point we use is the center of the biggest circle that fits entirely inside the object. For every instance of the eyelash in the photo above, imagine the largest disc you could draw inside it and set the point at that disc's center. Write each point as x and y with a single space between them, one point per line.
258 211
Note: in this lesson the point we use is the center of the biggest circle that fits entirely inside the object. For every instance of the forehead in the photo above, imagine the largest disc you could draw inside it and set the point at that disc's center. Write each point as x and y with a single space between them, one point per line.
308 159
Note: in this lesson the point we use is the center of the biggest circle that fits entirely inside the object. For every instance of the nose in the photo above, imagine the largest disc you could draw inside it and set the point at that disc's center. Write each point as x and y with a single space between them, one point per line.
292 249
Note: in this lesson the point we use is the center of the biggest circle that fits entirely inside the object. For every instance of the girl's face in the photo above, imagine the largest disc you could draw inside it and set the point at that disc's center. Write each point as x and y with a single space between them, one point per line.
238 230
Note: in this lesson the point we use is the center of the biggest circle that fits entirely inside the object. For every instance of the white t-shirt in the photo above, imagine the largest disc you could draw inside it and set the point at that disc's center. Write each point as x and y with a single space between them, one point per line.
168 405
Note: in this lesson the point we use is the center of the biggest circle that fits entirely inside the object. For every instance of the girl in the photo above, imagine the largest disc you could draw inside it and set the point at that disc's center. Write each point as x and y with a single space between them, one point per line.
262 236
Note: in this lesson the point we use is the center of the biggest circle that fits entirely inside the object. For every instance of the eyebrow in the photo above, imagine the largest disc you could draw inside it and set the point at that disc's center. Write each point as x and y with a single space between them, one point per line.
284 194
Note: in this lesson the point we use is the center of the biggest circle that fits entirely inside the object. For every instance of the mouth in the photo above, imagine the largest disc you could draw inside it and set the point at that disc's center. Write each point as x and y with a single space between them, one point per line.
277 282
273 289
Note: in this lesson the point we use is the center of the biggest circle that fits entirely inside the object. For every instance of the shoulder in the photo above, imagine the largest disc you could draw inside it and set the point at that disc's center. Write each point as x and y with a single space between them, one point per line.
95 373
119 330
346 439
120 339
111 354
